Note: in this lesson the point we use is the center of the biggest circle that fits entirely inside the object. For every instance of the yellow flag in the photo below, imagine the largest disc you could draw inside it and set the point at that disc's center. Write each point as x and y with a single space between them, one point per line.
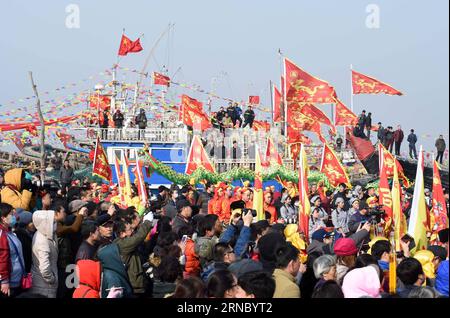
258 197
418 218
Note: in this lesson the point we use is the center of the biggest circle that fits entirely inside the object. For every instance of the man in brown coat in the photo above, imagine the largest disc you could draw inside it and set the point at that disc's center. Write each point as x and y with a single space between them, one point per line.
398 138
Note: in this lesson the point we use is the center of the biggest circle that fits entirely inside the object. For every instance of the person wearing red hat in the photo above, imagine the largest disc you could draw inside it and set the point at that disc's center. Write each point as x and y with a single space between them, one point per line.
345 250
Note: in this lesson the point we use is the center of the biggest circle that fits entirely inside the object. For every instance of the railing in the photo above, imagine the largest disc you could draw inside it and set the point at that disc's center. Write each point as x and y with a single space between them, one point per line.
222 165
154 135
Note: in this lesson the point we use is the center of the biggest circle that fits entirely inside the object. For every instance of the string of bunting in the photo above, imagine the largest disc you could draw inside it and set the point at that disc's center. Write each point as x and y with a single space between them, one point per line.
197 88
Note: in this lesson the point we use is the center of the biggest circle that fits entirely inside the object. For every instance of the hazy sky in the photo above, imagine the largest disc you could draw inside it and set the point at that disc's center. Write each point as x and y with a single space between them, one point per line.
409 50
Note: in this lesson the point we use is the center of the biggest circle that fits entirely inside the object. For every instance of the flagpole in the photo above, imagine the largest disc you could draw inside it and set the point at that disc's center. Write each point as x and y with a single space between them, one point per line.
271 99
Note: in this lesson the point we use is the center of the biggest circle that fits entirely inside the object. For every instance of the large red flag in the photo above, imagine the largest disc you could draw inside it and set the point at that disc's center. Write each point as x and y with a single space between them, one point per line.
302 87
128 46
160 79
332 168
344 116
100 166
363 84
384 192
198 158
193 115
276 102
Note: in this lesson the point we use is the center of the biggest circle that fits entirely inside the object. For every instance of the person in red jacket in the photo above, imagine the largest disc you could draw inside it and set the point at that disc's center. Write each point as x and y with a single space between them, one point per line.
192 261
226 202
89 275
5 258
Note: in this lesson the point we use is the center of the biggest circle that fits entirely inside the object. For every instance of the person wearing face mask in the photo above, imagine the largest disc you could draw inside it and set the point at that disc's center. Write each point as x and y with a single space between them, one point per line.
11 257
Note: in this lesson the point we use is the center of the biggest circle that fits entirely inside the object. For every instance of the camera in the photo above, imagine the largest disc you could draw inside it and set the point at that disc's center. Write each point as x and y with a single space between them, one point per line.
253 212
376 213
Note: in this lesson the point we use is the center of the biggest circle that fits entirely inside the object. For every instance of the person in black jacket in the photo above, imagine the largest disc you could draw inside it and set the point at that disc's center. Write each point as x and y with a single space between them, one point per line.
368 124
141 121
412 139
118 122
249 117
381 133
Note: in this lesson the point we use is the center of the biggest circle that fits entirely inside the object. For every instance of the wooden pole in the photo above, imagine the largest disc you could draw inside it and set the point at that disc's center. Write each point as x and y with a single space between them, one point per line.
41 120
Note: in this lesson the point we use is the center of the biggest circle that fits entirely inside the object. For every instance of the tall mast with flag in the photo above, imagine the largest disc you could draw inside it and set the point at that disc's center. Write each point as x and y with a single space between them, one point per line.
258 198
304 205
418 217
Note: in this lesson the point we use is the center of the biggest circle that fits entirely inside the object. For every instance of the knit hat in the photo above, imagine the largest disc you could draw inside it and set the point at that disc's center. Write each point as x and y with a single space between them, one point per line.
352 200
362 282
339 200
25 217
345 247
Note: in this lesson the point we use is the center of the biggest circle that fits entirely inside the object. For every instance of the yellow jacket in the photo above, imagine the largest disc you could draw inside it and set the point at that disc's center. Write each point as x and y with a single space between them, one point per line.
16 198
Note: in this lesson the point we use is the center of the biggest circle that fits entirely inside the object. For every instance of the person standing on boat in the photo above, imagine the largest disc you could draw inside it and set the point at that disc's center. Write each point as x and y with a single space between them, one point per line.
398 138
412 139
104 124
118 122
141 121
249 117
238 114
368 124
440 147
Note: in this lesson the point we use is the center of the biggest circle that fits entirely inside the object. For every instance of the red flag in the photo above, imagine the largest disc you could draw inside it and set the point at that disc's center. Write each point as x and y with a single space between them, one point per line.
139 180
65 138
389 161
99 101
302 87
276 101
384 193
363 84
316 114
100 166
193 115
344 116
198 158
128 46
272 156
440 221
160 79
260 125
363 147
253 100
332 168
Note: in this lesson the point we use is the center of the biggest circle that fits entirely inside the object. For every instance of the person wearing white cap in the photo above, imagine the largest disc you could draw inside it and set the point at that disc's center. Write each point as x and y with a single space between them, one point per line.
354 203
340 217
316 203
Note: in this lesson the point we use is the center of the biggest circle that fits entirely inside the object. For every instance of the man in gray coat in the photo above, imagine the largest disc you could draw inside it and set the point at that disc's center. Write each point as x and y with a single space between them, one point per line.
440 147
66 175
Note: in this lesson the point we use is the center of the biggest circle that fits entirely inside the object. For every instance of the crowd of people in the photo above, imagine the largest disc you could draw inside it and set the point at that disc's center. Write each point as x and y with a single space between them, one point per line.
392 139
79 241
